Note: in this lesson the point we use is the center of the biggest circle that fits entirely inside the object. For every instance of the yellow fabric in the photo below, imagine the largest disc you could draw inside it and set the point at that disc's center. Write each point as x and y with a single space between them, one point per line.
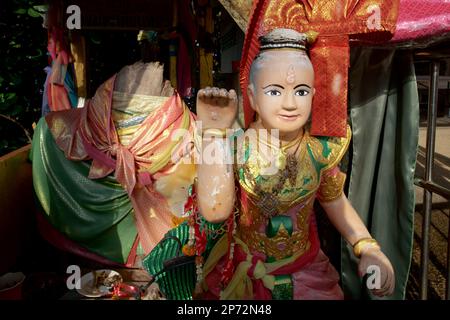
240 286
127 131
78 50
218 251
126 105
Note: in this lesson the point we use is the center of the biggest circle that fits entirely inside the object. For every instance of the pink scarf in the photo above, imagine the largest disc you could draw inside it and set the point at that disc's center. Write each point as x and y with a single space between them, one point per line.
90 133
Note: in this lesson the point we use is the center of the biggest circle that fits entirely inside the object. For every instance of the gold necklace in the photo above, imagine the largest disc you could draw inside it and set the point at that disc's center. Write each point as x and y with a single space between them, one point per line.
283 158
268 201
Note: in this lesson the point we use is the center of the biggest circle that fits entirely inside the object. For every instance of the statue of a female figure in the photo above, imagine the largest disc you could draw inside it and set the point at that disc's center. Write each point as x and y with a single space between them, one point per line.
279 171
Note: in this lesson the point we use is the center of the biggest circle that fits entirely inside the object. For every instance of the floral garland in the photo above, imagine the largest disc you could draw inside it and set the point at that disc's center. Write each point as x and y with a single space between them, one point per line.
198 237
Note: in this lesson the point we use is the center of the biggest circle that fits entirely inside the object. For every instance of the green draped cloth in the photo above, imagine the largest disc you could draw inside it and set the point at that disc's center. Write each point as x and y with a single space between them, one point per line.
384 112
179 282
96 214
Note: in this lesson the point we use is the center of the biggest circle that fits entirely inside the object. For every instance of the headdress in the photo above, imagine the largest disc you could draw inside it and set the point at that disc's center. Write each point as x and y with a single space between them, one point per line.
283 38
334 22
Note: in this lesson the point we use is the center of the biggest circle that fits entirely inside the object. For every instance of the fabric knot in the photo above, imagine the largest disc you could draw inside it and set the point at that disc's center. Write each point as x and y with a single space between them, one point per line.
113 149
251 270
145 178
260 270
257 271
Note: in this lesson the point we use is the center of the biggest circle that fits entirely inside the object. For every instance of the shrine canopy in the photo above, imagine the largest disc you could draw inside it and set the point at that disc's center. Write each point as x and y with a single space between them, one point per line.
419 23
336 27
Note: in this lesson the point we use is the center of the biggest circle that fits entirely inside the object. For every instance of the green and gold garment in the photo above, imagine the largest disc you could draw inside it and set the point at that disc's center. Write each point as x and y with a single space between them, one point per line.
276 234
274 218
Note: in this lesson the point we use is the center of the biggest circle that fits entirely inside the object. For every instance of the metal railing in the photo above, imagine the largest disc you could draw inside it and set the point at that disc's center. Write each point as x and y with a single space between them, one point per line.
429 186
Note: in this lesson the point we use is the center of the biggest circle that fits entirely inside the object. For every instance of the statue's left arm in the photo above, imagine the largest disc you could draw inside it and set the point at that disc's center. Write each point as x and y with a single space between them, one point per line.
347 221
344 217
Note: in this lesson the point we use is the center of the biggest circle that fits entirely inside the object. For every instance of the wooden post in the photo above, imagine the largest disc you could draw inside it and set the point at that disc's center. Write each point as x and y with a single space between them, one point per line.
206 58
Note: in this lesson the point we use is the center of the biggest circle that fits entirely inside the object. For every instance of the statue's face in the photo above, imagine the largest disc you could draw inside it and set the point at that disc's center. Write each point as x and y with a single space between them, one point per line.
282 89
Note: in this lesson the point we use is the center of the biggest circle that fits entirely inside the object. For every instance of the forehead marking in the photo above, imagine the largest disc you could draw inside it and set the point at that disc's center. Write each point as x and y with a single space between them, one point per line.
290 78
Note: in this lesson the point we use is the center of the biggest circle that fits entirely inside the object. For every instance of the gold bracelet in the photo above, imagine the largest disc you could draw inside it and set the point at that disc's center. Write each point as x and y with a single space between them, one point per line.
220 133
197 139
357 247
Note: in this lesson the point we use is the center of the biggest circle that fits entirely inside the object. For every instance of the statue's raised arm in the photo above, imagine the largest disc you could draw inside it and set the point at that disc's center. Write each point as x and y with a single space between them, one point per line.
216 111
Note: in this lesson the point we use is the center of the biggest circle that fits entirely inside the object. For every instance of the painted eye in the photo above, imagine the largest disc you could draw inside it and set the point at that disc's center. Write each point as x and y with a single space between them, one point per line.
301 92
273 93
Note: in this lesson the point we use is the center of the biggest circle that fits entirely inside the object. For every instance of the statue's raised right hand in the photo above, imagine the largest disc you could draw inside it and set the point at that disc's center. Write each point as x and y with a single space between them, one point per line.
216 108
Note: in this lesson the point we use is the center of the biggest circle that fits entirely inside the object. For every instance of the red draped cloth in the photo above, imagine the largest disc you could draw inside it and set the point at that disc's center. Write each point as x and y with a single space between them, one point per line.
334 22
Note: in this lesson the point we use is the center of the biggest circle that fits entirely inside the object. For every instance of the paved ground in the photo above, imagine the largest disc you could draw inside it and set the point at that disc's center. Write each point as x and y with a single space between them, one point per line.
440 216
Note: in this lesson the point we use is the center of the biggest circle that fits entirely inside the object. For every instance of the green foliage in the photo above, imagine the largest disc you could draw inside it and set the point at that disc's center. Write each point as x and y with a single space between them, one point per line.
23 43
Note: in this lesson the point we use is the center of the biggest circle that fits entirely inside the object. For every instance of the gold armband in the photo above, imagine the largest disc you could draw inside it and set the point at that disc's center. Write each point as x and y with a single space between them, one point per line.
357 247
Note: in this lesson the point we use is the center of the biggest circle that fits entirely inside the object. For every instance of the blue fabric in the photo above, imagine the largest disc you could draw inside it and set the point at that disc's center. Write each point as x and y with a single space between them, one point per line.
45 107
